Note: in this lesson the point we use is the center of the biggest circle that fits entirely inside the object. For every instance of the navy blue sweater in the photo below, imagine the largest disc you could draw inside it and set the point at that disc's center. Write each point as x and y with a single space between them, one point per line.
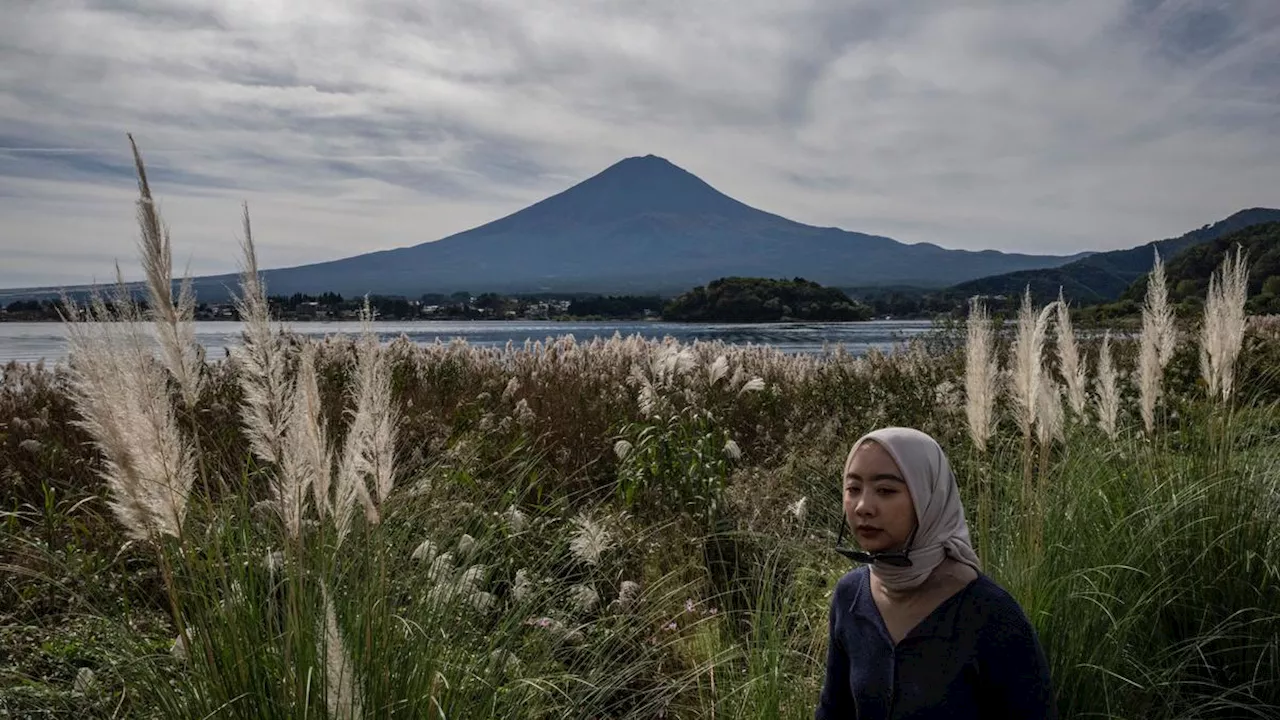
975 656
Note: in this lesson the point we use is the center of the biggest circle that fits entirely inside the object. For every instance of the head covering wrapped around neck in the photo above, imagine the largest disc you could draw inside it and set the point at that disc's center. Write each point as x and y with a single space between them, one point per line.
942 528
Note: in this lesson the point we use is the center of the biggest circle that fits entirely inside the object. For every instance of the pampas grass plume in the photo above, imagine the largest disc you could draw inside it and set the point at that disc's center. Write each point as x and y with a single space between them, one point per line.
1028 357
1070 362
981 371
1222 331
1156 343
1107 389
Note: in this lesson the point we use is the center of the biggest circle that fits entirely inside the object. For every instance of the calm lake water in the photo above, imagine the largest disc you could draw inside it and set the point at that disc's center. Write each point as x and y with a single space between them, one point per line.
28 342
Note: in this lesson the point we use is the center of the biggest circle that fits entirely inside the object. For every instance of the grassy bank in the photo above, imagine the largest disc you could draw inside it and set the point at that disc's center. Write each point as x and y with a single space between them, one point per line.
617 528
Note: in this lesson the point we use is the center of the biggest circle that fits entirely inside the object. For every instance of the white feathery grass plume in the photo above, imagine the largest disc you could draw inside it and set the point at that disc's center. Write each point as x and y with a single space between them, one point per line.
717 370
261 360
121 394
341 694
84 682
472 579
731 450
1155 344
1222 331
516 520
1164 328
1149 376
591 540
755 384
1071 364
441 570
466 546
628 596
622 449
583 598
369 450
304 461
425 552
1028 356
523 585
176 333
509 393
1108 389
307 447
799 509
980 373
1049 412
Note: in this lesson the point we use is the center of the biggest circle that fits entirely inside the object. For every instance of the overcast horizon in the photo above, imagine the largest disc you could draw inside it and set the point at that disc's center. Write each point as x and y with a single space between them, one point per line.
1036 126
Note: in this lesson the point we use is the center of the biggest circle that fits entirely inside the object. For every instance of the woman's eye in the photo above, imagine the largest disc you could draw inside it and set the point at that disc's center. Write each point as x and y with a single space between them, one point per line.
887 491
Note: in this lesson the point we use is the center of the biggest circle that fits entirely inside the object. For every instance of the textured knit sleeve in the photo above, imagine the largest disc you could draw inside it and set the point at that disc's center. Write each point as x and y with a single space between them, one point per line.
836 701
1014 672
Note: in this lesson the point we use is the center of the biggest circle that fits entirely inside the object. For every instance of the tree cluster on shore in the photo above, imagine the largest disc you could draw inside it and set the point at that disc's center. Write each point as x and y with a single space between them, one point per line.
755 300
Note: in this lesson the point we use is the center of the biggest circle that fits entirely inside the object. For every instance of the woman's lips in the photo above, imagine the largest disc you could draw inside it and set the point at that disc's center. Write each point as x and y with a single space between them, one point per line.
868 532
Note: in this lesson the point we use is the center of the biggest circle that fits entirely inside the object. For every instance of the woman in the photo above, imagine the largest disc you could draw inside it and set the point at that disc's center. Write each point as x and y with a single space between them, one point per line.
919 631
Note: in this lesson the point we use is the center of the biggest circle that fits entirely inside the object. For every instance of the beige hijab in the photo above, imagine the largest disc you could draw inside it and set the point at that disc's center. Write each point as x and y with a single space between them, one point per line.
943 531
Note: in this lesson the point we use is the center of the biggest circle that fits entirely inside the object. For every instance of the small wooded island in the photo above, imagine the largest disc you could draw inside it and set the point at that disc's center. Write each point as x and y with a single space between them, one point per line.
762 300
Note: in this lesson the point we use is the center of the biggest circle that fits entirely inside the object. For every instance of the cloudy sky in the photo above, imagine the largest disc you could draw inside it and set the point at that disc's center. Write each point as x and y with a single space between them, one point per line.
1032 125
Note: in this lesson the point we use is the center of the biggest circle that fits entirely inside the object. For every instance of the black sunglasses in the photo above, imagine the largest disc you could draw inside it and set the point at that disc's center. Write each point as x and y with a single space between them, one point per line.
896 558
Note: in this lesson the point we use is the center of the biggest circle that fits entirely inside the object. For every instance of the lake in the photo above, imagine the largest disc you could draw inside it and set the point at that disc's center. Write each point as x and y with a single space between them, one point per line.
29 342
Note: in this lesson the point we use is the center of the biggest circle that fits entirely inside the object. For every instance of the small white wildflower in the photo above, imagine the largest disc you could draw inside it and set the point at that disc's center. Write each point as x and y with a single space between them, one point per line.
583 598
84 681
622 449
799 509
731 450
590 542
425 552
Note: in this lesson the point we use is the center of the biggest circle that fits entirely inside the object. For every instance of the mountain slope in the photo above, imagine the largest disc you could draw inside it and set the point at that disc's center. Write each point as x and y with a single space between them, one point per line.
1188 274
1104 277
642 225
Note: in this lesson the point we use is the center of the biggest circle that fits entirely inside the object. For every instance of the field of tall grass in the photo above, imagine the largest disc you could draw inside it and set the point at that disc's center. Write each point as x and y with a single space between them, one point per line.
621 528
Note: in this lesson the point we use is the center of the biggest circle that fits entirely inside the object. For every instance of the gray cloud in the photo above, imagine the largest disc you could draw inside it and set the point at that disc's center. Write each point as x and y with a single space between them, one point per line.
1040 126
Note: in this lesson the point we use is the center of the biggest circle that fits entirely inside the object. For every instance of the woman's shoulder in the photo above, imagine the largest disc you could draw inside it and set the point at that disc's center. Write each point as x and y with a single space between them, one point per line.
851 584
993 603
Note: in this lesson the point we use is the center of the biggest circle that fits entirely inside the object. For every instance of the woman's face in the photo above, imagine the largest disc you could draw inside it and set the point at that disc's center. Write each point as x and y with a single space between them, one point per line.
877 502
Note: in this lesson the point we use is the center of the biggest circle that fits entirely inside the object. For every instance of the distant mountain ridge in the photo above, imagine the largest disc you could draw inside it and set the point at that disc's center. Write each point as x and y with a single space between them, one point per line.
1188 274
642 225
1105 276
